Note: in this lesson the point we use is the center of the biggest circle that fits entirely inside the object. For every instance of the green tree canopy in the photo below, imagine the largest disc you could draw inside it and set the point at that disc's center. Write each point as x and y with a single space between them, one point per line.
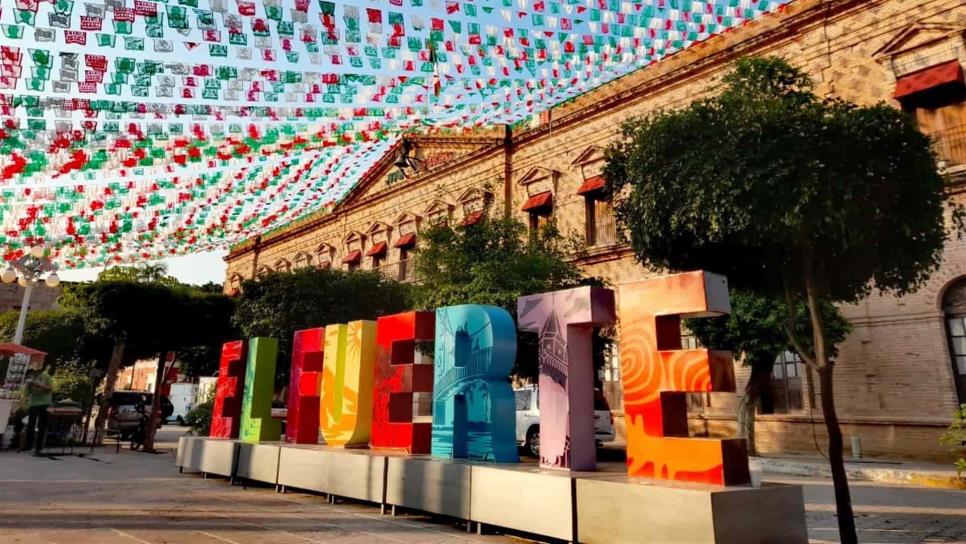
282 303
494 262
789 195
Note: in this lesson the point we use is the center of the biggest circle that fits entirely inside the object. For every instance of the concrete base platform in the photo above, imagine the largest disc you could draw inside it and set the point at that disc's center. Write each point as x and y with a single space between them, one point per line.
356 474
525 498
622 509
437 486
590 507
258 462
207 455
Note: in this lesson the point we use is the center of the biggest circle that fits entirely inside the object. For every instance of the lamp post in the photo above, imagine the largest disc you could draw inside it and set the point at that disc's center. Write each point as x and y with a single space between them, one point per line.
28 270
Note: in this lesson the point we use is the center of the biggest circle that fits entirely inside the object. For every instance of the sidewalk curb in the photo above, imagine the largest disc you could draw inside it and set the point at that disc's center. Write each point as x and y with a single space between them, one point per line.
922 478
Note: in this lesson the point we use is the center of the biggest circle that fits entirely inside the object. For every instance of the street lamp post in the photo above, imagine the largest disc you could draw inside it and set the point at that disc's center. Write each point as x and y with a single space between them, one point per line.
28 270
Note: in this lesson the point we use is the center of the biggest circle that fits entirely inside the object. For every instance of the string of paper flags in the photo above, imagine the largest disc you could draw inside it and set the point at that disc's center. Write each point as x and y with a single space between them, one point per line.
137 129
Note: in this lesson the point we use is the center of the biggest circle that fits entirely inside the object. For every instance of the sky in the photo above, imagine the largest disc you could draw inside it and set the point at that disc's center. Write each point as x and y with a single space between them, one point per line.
195 269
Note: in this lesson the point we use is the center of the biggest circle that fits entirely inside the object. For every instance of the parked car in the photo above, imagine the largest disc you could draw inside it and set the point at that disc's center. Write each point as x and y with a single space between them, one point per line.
122 415
528 419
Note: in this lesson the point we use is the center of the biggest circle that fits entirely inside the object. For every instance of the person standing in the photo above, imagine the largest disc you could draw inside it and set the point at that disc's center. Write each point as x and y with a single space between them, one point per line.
38 389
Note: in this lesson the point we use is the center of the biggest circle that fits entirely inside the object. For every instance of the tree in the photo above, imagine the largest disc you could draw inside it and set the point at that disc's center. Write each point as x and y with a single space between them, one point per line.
493 262
141 273
281 303
754 332
789 195
148 319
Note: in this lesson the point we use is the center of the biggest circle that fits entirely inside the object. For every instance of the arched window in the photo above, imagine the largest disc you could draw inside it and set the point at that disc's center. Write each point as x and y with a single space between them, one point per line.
954 308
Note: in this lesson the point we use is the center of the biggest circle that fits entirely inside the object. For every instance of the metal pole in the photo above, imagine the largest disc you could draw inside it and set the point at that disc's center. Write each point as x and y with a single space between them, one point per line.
22 322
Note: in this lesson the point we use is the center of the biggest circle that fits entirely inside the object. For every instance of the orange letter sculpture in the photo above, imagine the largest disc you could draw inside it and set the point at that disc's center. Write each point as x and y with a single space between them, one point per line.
348 370
657 374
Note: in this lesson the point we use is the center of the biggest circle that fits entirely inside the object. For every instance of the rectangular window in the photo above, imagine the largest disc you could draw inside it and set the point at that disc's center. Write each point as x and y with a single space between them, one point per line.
785 394
403 264
538 220
378 261
945 124
601 226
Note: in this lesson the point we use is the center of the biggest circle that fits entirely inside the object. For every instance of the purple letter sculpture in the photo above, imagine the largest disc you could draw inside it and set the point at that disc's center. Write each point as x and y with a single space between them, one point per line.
565 321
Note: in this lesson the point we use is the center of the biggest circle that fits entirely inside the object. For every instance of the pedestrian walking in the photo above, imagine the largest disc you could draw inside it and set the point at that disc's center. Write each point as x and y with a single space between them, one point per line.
38 388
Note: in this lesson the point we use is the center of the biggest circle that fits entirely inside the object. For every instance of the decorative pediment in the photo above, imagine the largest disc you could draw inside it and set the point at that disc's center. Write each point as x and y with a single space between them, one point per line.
921 45
303 259
354 241
539 180
588 155
407 223
234 282
439 211
325 253
262 272
474 200
535 174
283 265
379 232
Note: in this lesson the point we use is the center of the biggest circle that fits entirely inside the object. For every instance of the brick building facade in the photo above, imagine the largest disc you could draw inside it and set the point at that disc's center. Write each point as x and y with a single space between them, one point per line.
897 373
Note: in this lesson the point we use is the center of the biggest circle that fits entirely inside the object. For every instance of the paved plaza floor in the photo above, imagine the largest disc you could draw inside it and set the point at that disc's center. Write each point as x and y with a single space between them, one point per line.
130 497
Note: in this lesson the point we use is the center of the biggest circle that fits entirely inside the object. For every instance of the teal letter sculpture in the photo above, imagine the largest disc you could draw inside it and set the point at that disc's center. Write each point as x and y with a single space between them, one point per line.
473 408
257 424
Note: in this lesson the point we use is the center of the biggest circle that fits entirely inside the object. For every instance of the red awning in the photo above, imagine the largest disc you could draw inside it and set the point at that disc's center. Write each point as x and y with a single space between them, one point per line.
473 218
8 349
353 257
941 74
377 250
406 240
539 200
590 185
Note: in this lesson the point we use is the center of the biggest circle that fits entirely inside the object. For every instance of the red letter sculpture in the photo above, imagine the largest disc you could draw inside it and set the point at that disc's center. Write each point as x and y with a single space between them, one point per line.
305 387
565 321
397 378
226 414
657 374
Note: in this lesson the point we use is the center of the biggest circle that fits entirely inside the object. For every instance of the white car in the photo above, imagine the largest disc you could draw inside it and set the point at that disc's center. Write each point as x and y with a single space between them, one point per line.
528 419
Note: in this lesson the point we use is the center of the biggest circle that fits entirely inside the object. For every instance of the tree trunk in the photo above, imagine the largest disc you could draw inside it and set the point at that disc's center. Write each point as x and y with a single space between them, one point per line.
843 497
840 481
748 403
110 378
159 377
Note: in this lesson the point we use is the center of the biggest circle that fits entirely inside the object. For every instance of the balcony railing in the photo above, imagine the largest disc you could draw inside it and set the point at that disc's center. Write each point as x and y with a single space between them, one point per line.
403 271
950 145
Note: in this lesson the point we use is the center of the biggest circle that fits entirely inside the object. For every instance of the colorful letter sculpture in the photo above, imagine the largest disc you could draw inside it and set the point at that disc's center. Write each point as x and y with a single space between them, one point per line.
257 424
228 391
473 407
347 377
657 374
305 387
397 378
565 321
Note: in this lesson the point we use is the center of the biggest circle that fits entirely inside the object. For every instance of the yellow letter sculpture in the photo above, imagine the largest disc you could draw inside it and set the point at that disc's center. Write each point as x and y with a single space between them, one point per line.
348 372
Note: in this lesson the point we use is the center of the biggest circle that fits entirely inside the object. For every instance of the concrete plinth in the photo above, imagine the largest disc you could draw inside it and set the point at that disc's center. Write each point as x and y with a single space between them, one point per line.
207 455
258 462
525 498
436 486
356 474
621 509
604 507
